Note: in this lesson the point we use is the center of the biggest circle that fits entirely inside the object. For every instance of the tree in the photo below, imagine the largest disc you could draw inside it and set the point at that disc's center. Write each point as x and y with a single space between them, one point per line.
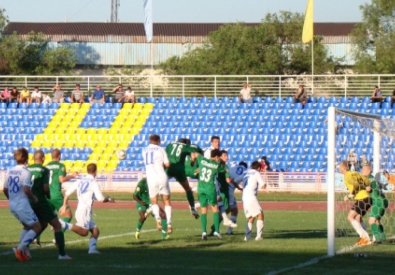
273 47
374 38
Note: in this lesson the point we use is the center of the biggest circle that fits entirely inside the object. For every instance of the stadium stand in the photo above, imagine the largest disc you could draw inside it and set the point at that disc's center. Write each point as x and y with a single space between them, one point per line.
292 138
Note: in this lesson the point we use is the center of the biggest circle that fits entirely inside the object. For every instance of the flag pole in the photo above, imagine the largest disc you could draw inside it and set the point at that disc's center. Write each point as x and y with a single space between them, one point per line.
152 66
312 65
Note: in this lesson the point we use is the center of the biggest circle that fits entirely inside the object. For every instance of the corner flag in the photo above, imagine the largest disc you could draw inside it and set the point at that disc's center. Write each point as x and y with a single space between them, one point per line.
148 20
308 29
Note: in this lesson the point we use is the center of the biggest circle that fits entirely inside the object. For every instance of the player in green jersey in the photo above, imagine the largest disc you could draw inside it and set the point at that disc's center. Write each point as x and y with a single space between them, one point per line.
57 175
43 209
177 151
379 204
143 206
208 169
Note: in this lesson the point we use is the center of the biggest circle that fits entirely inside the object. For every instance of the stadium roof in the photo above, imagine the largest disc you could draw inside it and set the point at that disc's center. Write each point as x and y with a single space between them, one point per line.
160 29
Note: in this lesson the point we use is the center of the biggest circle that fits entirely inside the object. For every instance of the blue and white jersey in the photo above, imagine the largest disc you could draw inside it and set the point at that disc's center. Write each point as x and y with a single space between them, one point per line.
252 182
15 180
237 174
87 191
154 158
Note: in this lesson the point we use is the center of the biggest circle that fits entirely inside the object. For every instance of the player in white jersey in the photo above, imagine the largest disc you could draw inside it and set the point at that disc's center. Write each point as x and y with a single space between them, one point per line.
87 190
156 160
237 174
252 181
215 144
17 189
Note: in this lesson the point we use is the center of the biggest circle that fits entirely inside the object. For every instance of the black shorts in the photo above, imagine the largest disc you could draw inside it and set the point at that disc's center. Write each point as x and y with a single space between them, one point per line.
362 206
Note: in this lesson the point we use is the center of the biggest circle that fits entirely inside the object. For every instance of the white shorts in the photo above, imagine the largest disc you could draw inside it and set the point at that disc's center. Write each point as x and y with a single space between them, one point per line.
232 200
84 218
24 213
251 207
158 186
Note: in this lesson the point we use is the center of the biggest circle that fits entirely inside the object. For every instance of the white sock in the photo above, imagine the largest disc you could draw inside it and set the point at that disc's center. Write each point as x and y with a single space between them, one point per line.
361 232
27 239
234 220
66 225
168 213
225 217
92 244
248 230
197 205
259 228
155 211
23 233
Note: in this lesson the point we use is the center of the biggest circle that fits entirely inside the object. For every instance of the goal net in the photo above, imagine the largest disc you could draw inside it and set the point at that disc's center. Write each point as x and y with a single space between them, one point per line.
360 139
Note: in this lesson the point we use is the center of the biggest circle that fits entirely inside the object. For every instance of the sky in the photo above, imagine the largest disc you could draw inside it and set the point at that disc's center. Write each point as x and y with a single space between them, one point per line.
177 11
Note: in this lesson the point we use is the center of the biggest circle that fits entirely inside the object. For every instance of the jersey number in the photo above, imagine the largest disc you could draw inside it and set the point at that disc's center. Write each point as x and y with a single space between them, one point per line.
149 158
50 176
13 184
179 149
239 170
205 175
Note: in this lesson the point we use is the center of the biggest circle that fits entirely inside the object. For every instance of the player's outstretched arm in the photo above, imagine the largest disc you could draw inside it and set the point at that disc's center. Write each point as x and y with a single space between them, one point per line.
68 177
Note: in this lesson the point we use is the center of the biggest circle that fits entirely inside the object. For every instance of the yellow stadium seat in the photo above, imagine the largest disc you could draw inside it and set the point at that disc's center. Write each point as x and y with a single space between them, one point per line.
47 144
142 118
135 112
92 131
91 143
75 106
93 156
111 137
68 164
49 130
53 124
75 124
113 143
81 131
69 143
128 137
138 106
64 105
91 137
102 143
82 112
36 144
124 144
138 124
145 112
105 157
78 118
124 112
127 105
101 164
127 124
116 124
64 124
102 131
109 150
132 118
58 144
86 106
39 137
65 137
134 131
98 150
80 144
70 131
59 114
48 136
148 106
113 131
124 130
60 130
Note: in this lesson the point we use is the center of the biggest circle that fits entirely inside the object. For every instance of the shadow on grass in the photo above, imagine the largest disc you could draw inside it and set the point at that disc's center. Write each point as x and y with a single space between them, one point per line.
295 234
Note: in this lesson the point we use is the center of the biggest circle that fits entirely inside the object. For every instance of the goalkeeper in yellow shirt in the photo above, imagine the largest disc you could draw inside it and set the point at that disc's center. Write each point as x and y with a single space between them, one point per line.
359 188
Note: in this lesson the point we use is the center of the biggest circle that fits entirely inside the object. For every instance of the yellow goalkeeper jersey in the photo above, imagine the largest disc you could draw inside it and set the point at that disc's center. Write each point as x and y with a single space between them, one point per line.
356 184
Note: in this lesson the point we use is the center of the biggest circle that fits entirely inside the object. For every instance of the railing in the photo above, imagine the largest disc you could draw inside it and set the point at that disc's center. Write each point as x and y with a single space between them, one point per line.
214 85
289 182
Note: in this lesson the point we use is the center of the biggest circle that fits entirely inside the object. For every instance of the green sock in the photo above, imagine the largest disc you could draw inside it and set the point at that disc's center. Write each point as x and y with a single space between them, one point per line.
191 199
375 230
68 220
381 233
216 221
203 222
164 228
139 225
59 237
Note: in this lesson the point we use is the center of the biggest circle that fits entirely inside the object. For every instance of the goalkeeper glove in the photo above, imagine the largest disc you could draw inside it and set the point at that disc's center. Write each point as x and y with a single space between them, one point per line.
348 197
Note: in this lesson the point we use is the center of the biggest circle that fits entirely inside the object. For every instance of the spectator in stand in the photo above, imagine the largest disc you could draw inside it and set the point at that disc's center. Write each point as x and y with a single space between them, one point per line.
265 164
393 98
364 161
24 96
5 95
98 95
301 96
245 94
58 95
46 99
352 161
129 96
77 96
119 93
14 96
36 95
377 96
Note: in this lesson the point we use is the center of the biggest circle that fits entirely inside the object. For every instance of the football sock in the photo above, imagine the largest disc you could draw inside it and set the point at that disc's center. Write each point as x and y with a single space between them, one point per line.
155 211
364 226
164 228
361 232
59 237
216 221
375 230
203 222
259 228
92 244
248 229
65 225
224 216
381 233
23 233
191 199
67 221
27 239
139 225
168 213
233 219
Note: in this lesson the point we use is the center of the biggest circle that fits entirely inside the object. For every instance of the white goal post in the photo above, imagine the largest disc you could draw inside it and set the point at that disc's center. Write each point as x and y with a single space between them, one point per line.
376 124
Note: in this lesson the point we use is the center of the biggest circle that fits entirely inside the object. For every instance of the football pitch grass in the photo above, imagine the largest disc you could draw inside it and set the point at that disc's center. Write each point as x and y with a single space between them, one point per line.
291 238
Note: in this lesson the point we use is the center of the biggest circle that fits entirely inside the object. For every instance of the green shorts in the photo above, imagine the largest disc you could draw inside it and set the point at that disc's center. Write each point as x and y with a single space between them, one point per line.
177 171
225 200
44 211
378 208
56 203
140 207
206 197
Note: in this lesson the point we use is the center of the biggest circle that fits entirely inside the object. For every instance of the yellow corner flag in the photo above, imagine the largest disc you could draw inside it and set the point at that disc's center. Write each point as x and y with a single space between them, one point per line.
308 29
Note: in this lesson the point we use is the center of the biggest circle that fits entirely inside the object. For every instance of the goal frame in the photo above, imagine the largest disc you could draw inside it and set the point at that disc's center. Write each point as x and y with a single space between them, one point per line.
331 203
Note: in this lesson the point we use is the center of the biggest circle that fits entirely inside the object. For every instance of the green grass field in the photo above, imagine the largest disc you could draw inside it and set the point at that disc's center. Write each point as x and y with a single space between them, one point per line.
290 239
